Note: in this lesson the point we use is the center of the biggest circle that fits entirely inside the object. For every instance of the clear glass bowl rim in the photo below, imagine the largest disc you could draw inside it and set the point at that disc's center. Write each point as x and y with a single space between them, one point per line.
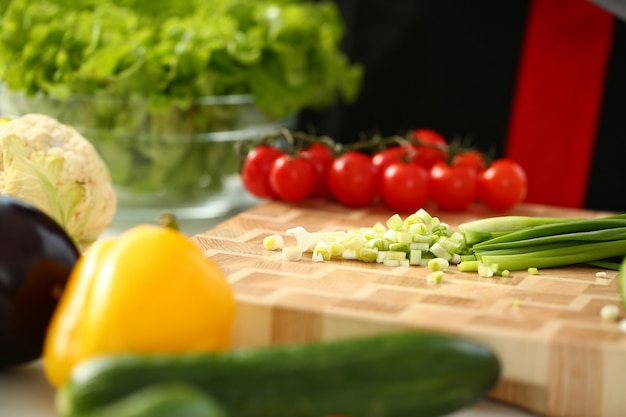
230 99
207 100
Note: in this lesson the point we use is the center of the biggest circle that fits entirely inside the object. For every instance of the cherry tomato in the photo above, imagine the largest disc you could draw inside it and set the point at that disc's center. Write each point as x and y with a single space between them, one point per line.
502 185
472 158
431 148
292 177
353 180
255 173
404 186
385 157
322 158
454 187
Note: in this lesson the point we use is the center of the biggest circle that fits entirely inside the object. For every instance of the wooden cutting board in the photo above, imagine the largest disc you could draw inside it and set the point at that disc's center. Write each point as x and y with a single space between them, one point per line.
559 358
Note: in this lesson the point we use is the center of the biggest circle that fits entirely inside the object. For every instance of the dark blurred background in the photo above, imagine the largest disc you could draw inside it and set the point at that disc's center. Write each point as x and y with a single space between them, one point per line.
451 65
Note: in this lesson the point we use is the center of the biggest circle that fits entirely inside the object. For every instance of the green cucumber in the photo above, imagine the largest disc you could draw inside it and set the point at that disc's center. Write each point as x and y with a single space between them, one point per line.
162 400
388 375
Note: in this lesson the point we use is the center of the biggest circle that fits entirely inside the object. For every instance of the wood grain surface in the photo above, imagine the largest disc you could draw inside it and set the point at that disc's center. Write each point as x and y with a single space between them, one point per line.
559 358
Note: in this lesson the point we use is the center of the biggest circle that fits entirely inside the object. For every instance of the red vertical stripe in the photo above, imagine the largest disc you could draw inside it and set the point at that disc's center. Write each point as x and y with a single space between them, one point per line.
558 97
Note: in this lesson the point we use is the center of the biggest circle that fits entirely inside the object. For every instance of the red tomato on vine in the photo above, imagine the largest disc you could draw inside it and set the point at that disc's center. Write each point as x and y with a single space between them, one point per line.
502 185
255 171
322 158
453 187
472 158
431 147
353 179
292 177
404 186
385 157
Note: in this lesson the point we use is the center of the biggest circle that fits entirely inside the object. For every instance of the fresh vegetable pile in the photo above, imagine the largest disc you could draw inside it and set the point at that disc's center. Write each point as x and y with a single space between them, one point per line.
142 328
113 350
491 246
156 86
403 172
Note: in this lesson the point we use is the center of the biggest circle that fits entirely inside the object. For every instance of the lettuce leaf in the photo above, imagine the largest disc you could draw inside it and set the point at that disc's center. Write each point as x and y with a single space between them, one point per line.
284 52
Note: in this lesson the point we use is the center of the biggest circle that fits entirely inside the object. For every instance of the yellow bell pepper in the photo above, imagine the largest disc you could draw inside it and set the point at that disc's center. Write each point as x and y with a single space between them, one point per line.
149 290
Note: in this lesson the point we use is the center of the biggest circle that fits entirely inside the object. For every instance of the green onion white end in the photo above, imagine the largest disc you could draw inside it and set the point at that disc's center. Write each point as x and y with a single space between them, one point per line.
273 242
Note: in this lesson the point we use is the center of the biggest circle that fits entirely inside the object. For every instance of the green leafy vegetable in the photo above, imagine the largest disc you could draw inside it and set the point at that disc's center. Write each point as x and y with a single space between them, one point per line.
163 88
285 53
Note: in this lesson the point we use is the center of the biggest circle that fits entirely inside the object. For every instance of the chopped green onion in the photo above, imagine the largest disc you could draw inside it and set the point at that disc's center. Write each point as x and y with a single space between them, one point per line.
379 227
491 246
424 216
419 229
404 237
435 276
450 245
369 233
440 252
396 255
426 257
378 243
391 235
367 254
391 262
438 264
336 249
424 247
399 247
609 312
354 242
395 222
303 238
487 271
410 220
291 253
468 266
322 249
273 242
415 256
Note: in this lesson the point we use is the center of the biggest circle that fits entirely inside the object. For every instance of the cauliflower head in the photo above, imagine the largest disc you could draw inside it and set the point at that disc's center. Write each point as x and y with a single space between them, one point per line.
53 167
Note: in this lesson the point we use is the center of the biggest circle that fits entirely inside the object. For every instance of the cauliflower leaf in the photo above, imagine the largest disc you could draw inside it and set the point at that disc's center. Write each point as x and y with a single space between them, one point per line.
35 178
53 167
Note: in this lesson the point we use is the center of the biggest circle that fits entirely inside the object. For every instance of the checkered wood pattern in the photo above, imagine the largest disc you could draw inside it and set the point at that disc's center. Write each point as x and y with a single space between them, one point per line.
559 357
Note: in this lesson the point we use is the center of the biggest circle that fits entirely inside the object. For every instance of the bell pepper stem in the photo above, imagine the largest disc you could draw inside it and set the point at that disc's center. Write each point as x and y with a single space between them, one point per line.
168 219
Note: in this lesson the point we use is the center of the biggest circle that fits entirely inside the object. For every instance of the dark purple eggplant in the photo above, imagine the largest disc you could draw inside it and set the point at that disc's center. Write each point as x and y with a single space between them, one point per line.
36 258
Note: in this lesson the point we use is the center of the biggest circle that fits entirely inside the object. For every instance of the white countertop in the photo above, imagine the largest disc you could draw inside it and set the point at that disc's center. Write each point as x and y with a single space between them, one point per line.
24 392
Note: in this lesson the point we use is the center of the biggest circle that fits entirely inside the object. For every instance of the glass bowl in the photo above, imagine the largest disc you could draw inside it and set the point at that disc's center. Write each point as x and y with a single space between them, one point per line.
185 161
